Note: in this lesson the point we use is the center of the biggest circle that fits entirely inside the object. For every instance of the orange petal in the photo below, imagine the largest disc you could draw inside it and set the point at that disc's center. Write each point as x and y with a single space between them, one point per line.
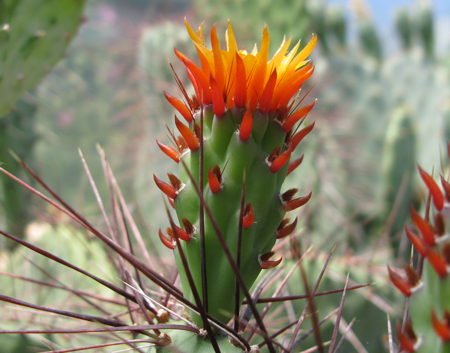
296 203
299 136
265 263
179 105
169 190
289 123
219 72
240 91
438 197
166 241
213 182
188 135
292 89
245 130
424 228
266 98
230 39
217 97
202 82
169 151
281 160
194 83
294 164
302 55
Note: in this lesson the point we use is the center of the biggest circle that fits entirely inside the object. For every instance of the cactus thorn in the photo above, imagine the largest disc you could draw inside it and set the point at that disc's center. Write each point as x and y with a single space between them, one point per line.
169 243
294 164
438 197
424 228
214 179
400 283
296 203
249 216
446 186
438 263
407 339
299 136
178 232
419 244
188 135
281 160
167 189
285 229
299 114
442 328
181 107
169 151
245 130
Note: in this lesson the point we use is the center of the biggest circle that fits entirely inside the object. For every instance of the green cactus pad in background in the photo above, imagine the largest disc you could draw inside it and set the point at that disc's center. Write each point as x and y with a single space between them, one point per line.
249 131
34 35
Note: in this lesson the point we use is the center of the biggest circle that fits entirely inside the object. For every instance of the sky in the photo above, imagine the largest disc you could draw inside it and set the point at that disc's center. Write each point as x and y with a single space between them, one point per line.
383 12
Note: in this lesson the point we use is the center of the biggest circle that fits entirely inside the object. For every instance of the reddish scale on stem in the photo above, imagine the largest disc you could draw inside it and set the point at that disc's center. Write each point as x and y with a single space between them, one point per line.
400 283
179 105
438 263
249 216
296 203
438 197
424 228
286 229
265 263
418 243
169 151
441 328
299 136
167 189
289 123
213 181
245 130
169 243
408 339
281 160
188 135
182 234
294 164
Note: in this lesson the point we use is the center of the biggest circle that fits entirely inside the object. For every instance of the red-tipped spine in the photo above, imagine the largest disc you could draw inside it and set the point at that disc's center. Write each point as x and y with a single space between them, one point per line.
294 164
169 190
424 228
249 216
438 197
188 135
280 161
217 97
179 105
299 136
286 230
169 151
213 181
265 263
166 241
289 123
418 243
296 203
406 343
245 130
266 98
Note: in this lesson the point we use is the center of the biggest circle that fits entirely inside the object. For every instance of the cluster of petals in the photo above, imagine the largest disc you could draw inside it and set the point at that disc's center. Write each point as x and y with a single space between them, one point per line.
234 77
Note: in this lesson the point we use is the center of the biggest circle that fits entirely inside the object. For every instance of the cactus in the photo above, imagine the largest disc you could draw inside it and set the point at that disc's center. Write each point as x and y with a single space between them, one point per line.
242 126
33 37
427 325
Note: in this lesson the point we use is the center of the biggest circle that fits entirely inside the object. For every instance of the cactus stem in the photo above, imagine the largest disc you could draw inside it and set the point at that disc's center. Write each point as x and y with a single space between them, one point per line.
188 135
165 188
245 129
441 328
180 106
266 98
438 197
280 161
249 216
285 229
265 263
299 136
217 97
289 123
238 256
294 164
169 243
424 227
169 151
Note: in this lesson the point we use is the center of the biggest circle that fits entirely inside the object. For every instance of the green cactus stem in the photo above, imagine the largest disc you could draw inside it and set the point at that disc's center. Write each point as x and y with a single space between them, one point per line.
241 130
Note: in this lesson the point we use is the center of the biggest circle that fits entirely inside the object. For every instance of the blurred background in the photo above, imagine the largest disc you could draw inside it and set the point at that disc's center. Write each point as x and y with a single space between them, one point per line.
382 83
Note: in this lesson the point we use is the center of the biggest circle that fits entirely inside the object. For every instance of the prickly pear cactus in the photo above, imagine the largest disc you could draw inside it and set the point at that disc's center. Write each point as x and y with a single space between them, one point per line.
33 37
427 328
242 126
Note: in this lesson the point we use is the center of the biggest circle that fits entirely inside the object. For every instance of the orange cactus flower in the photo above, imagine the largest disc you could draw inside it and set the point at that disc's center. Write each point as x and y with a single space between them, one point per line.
233 77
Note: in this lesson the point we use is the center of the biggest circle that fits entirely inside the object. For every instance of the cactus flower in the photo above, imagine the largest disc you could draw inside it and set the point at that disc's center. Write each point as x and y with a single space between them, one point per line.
241 130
